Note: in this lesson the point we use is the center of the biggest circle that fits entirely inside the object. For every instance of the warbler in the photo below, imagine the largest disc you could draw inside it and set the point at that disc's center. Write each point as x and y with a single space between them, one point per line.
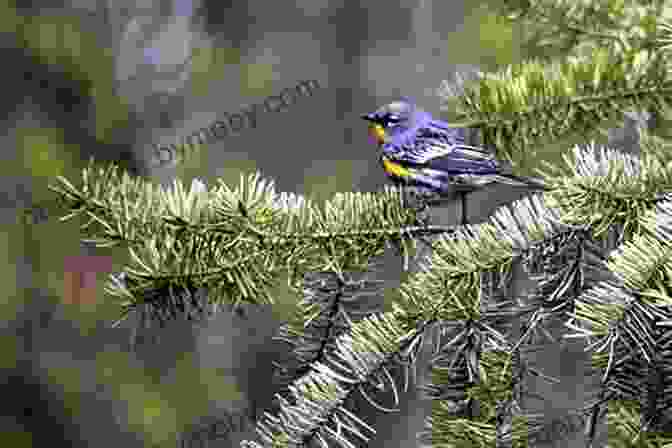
433 158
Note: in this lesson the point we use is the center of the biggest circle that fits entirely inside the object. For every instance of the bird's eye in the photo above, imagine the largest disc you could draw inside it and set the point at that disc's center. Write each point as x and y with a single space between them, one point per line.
392 119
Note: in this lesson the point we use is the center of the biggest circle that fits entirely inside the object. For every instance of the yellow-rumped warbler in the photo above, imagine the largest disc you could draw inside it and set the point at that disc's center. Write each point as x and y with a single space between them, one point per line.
432 158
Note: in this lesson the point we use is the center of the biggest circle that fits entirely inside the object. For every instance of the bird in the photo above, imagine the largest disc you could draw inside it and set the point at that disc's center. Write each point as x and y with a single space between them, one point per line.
432 158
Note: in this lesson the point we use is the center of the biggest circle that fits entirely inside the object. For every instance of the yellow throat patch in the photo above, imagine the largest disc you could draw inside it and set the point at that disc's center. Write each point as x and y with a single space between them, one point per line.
378 132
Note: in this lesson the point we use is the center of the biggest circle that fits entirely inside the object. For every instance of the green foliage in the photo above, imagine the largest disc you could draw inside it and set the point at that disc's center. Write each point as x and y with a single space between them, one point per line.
256 80
11 299
59 41
210 64
158 407
497 38
8 352
18 439
9 20
42 151
111 110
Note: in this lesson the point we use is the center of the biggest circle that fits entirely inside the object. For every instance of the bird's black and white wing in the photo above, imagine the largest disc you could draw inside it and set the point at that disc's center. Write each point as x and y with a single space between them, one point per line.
429 144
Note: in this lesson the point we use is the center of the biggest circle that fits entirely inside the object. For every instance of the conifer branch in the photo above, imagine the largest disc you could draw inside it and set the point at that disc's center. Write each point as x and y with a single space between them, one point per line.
536 101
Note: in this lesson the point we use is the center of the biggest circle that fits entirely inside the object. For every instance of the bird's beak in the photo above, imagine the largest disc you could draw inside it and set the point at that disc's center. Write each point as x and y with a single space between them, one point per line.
368 117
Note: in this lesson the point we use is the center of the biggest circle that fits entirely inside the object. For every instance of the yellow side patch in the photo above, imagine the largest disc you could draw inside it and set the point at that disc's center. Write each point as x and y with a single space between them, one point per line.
395 169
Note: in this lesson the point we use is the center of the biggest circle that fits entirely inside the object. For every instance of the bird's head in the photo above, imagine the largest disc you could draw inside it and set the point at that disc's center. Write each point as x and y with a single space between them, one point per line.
392 119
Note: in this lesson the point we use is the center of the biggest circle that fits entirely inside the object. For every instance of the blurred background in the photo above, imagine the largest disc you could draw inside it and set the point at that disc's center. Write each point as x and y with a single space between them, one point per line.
108 78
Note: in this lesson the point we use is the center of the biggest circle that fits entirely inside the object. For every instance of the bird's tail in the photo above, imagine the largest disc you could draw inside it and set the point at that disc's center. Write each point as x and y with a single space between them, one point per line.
506 176
523 181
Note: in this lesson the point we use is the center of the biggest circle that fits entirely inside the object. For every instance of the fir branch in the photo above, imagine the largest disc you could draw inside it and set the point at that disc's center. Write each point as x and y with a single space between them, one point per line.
331 304
316 411
489 246
456 251
499 241
622 314
127 210
665 37
210 429
223 238
566 24
620 189
522 105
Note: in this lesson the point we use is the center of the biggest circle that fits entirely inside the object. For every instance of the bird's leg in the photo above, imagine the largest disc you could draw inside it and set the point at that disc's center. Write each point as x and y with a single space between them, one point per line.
420 204
463 195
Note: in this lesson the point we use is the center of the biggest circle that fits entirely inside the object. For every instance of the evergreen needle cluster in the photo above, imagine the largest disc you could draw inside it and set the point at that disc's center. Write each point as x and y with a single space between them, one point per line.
237 243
